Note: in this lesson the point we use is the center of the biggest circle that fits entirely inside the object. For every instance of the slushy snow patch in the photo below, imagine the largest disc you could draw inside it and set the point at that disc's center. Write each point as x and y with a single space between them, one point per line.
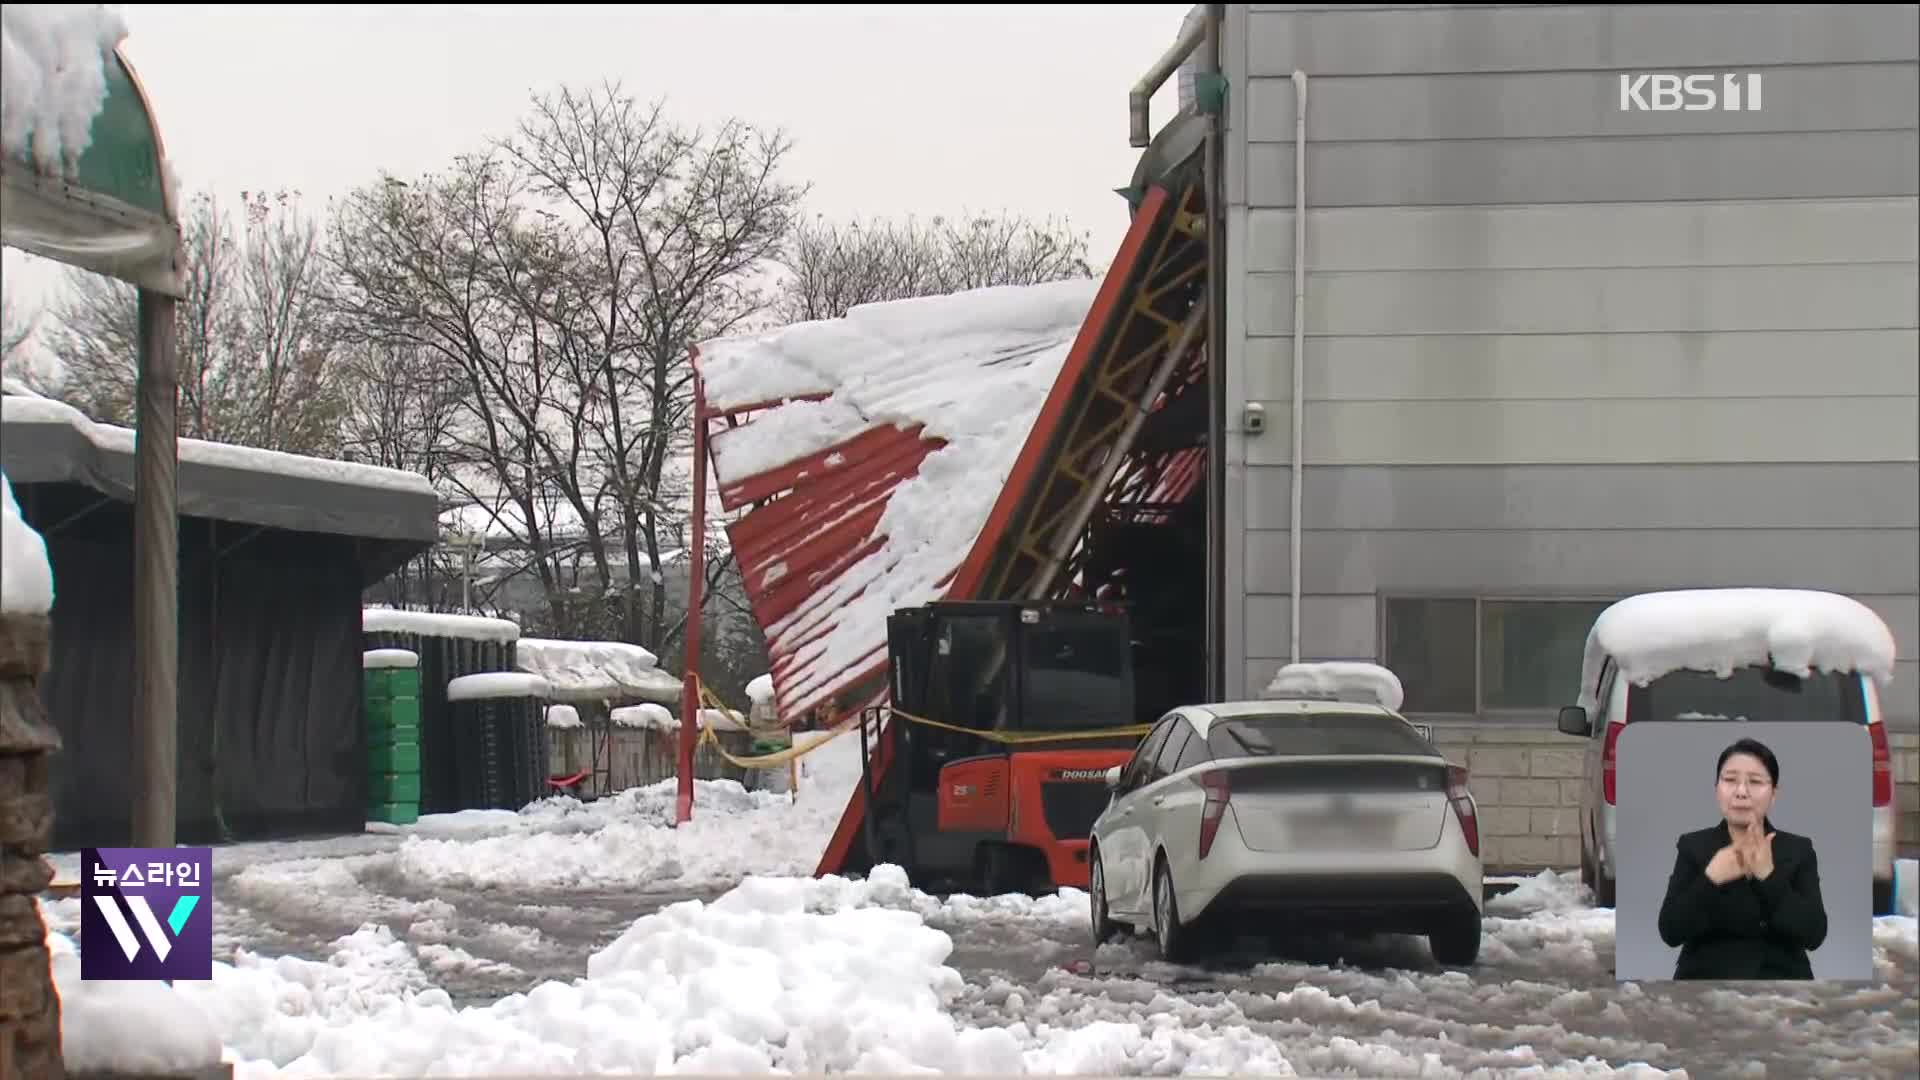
53 78
971 370
595 670
562 716
26 577
1718 630
496 684
374 659
1342 680
135 1028
379 620
119 440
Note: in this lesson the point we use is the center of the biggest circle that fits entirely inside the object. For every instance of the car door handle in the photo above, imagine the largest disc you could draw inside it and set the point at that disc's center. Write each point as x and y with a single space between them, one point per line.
1159 800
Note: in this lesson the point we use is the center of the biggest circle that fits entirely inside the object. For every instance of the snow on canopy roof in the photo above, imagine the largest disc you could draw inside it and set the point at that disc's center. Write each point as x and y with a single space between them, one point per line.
1341 680
488 685
53 79
377 620
1794 630
49 441
596 670
910 417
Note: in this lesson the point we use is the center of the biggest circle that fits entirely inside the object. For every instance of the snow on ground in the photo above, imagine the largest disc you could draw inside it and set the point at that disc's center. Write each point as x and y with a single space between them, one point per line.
972 368
1718 630
26 577
139 1028
52 82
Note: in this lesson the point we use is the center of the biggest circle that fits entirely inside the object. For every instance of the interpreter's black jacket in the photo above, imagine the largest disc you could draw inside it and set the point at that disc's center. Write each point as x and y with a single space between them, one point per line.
1745 929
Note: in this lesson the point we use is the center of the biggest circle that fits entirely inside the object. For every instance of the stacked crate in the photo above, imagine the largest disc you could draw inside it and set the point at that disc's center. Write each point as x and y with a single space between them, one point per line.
393 735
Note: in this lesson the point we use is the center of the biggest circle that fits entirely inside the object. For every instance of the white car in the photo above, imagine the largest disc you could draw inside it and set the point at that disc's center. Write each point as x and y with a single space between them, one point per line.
1301 813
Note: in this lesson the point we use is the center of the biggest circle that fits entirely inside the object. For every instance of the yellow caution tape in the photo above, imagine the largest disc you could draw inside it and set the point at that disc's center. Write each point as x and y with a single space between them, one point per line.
1017 738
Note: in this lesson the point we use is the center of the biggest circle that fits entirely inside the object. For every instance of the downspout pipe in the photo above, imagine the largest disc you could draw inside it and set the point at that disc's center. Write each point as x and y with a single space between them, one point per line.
1299 342
1139 127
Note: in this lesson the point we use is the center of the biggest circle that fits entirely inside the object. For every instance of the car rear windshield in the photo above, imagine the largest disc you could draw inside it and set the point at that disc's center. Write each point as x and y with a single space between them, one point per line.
1315 733
1753 694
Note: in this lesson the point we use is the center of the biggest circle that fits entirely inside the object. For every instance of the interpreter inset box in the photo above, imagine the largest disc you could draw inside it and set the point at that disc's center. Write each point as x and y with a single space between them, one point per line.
1701 893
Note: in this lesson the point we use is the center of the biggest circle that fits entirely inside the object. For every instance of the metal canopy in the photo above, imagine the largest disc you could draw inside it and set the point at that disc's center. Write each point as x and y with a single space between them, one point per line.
114 215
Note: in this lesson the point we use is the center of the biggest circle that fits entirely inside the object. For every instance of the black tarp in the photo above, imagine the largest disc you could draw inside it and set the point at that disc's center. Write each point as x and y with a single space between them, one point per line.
271 742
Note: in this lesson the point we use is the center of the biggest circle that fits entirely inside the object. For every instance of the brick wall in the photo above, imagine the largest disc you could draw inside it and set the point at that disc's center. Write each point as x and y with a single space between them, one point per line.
1528 786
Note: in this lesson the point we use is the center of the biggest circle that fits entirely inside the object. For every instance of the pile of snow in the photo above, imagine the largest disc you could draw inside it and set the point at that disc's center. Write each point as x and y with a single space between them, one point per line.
375 659
972 369
26 577
1718 630
53 78
1340 680
381 620
596 670
629 840
563 716
131 1028
119 440
496 684
648 715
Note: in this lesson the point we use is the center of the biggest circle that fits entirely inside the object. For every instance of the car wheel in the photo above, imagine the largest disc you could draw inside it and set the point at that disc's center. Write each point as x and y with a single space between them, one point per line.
1883 897
1587 876
1456 943
1104 929
1605 895
1174 939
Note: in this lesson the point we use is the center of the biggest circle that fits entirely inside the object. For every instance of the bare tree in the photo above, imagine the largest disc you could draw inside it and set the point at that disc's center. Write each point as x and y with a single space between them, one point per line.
253 348
16 333
672 223
834 267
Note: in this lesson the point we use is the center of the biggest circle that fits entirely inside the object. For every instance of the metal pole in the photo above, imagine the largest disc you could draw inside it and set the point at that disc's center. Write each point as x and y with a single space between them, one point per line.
156 577
696 572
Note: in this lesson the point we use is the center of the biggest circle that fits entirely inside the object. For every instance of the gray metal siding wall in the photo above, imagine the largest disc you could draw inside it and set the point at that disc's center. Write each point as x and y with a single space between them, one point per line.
1556 348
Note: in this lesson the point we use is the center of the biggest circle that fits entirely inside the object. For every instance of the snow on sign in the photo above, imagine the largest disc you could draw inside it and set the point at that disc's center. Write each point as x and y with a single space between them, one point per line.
888 436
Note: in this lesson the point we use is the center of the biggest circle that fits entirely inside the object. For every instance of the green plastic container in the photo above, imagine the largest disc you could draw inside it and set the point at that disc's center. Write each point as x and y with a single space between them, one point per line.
399 756
394 813
388 736
386 713
395 788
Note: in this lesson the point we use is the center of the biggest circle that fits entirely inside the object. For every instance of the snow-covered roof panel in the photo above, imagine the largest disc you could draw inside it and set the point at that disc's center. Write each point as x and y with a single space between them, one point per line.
596 670
910 418
53 79
51 442
489 685
1717 630
376 620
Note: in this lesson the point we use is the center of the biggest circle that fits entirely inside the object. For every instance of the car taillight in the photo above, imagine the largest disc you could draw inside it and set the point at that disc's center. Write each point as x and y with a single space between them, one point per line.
1882 765
1608 755
1461 799
1218 794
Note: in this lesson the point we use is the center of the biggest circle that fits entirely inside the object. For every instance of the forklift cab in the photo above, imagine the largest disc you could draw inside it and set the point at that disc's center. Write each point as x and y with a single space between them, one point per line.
956 806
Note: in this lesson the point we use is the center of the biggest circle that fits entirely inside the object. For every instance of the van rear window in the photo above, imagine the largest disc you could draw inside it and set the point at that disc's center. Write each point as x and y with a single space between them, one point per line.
1750 694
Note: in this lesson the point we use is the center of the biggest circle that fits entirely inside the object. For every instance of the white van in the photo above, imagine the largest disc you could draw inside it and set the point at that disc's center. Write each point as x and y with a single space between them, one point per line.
1657 656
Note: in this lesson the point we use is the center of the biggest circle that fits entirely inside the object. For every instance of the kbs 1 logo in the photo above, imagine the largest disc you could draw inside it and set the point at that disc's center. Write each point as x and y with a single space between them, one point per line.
1650 92
146 914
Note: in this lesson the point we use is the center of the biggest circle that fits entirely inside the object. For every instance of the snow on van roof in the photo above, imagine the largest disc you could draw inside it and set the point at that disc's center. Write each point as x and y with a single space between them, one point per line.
1341 679
1794 630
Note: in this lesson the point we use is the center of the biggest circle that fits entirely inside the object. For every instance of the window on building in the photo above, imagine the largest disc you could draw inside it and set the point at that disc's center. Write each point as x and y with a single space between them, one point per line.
1531 651
1430 646
1471 655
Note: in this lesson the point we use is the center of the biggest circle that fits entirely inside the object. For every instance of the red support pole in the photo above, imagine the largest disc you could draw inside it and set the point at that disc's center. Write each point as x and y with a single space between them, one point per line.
696 575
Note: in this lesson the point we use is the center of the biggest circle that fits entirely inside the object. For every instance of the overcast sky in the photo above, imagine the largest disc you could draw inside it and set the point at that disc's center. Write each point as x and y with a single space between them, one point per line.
893 109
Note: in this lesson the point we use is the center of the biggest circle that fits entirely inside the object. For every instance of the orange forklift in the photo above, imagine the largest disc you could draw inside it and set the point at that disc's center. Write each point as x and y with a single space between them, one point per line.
1005 717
